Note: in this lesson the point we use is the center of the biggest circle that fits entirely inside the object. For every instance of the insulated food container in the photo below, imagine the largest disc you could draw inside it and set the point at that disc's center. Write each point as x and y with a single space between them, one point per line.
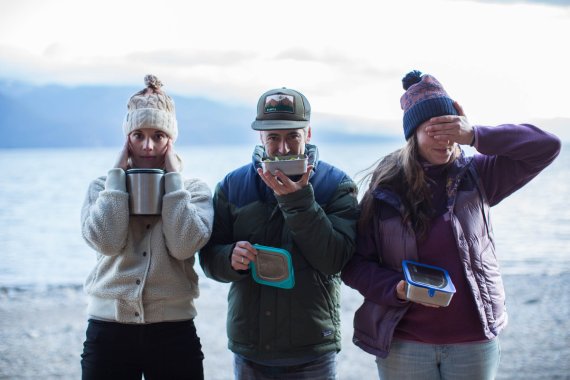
273 267
427 284
145 188
289 165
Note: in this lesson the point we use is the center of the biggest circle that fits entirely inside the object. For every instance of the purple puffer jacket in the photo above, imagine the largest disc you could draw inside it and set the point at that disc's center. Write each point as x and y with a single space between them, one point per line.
510 156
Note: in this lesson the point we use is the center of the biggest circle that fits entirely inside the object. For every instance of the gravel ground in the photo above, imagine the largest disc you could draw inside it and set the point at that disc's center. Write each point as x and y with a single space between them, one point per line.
42 331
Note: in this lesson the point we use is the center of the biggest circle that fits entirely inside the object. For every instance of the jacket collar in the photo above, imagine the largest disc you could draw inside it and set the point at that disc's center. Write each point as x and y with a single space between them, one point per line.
456 171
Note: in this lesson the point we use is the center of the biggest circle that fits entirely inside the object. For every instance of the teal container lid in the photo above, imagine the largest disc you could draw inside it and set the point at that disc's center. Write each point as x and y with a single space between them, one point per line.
273 267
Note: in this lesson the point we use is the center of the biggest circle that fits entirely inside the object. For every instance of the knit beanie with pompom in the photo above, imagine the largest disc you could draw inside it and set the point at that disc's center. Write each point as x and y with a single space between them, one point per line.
151 108
424 98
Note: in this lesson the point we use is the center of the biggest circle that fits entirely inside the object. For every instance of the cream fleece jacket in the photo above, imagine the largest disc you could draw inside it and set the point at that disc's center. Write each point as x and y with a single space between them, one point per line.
145 264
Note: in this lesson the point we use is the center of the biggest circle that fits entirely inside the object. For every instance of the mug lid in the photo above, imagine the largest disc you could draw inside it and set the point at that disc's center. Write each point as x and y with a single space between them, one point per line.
148 170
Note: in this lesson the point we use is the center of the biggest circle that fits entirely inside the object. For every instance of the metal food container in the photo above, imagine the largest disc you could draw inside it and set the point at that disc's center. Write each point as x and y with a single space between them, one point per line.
427 284
145 188
273 267
289 165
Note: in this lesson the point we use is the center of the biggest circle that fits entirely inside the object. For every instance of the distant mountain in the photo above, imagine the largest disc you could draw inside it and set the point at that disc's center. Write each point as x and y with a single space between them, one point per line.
90 116
59 116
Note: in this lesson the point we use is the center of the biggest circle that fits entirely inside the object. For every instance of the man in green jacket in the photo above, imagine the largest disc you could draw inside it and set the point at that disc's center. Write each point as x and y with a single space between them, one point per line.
275 330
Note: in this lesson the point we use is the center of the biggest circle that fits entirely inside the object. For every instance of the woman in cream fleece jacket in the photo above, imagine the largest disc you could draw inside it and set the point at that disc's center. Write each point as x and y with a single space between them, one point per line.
142 288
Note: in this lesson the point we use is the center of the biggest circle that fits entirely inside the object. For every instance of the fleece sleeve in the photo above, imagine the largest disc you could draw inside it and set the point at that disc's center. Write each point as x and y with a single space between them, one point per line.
105 213
187 215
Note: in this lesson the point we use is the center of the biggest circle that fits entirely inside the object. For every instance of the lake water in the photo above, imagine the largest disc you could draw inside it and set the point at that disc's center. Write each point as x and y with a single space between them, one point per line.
42 190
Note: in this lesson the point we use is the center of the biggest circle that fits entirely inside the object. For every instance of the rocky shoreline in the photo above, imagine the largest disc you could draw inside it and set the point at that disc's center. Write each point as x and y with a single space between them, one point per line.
42 331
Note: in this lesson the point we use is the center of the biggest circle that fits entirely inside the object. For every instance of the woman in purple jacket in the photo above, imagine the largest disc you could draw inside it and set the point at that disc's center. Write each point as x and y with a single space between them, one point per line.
427 202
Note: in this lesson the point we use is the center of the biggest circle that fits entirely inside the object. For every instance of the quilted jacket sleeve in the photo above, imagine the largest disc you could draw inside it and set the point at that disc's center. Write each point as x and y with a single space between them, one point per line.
326 236
215 256
512 155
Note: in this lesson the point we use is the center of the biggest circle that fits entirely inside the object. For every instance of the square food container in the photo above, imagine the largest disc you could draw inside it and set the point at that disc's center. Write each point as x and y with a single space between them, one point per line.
289 165
427 283
273 267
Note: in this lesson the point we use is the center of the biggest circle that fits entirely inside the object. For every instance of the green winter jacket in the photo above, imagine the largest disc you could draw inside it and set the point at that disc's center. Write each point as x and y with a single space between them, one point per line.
317 225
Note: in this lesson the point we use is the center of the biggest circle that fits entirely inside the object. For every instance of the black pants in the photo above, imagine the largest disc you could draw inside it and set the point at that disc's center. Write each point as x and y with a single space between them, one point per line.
167 350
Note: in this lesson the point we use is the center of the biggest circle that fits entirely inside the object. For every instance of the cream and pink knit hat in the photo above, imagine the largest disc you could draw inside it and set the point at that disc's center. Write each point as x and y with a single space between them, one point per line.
151 108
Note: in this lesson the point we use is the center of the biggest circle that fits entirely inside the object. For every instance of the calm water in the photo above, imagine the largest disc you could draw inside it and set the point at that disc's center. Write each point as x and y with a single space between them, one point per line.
41 193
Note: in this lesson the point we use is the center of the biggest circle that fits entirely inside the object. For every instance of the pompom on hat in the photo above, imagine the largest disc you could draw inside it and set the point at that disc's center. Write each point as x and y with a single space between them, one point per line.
424 98
151 108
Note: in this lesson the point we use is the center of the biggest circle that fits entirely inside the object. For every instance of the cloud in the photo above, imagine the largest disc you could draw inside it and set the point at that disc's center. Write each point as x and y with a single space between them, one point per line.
189 58
556 3
344 66
350 61
311 55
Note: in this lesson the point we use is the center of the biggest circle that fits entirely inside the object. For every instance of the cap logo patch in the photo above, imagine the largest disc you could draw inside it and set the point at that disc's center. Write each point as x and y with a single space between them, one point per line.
279 103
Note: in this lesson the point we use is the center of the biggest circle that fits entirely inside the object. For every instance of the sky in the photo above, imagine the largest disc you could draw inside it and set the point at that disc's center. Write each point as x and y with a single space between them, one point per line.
504 61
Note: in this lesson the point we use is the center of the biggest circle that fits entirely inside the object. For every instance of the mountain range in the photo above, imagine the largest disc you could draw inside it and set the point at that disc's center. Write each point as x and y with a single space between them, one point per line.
56 116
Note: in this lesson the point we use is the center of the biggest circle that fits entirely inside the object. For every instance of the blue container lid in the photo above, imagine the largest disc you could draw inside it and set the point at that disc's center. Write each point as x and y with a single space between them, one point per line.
427 276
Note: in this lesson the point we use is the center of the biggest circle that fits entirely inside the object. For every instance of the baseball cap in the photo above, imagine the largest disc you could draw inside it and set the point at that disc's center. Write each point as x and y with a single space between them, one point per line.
282 108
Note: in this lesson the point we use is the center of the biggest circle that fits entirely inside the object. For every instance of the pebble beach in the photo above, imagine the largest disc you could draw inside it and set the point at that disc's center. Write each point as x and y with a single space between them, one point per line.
42 331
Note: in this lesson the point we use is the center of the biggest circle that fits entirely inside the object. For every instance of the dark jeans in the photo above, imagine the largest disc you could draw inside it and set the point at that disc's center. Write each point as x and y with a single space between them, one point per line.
322 368
167 350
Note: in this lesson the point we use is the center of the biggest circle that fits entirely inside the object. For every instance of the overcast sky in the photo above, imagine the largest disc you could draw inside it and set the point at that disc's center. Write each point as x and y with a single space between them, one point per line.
504 61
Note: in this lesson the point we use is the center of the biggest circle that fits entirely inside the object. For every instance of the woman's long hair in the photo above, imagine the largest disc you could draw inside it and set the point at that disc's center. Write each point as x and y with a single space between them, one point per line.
402 173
